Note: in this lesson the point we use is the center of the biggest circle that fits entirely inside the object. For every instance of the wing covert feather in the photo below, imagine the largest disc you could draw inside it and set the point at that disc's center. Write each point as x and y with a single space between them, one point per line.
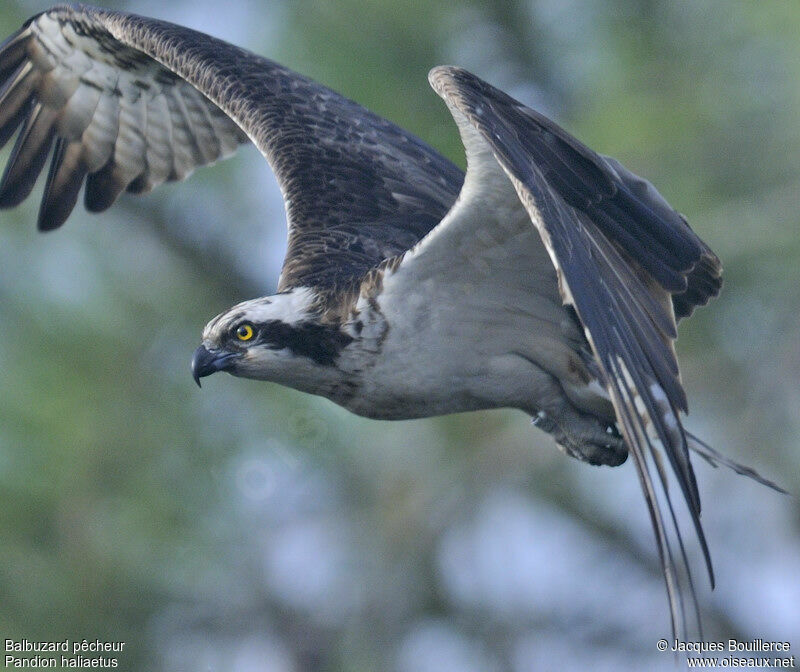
148 101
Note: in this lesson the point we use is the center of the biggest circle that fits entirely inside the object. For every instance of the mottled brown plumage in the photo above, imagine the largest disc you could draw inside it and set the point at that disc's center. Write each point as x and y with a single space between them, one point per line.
358 188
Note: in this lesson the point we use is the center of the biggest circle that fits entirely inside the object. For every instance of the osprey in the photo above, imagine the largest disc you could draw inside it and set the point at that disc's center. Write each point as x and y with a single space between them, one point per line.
548 279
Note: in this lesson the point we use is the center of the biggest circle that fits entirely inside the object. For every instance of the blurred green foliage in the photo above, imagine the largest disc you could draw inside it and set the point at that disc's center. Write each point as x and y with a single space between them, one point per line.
249 527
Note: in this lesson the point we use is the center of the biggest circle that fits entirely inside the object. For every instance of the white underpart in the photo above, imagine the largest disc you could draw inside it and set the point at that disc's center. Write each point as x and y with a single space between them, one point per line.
474 312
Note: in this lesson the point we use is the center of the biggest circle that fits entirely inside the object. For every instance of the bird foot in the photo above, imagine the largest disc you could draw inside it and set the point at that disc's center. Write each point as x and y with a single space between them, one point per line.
585 438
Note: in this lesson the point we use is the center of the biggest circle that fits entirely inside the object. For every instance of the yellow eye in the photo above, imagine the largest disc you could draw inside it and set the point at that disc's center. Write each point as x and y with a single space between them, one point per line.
244 332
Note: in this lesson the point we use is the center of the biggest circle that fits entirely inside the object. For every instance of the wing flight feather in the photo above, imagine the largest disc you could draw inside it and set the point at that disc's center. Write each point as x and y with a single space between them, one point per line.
130 102
621 253
102 106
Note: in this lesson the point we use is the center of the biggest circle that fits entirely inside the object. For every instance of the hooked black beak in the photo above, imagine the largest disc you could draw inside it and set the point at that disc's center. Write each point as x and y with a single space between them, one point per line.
205 362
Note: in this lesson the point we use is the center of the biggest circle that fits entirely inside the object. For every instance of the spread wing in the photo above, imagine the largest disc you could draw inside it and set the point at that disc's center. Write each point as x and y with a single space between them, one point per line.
116 118
129 102
620 253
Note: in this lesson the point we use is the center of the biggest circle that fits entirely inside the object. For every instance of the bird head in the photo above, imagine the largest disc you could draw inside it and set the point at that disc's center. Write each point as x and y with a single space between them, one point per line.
278 338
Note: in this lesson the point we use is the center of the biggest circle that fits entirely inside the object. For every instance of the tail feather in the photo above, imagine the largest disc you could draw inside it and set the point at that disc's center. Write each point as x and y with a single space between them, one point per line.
715 458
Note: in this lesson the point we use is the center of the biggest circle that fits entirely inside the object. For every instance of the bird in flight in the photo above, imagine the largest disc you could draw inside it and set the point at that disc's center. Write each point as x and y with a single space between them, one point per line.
548 278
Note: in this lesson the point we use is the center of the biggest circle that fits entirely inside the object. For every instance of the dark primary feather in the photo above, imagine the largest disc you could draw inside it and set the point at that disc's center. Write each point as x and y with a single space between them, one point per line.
116 118
620 251
130 102
703 283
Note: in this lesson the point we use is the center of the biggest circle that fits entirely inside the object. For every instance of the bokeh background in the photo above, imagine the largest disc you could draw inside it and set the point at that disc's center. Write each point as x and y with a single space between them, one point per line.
249 528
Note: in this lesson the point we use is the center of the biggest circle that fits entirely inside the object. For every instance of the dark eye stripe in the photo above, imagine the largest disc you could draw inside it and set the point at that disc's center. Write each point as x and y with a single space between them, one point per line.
321 343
